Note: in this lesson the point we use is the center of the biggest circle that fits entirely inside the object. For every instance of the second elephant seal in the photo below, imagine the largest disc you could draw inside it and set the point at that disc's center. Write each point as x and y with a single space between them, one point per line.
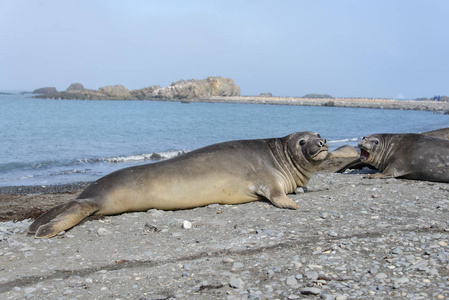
409 155
226 173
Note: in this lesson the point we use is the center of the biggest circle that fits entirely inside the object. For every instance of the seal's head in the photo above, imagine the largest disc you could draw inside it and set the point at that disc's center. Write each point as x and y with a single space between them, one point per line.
370 146
309 145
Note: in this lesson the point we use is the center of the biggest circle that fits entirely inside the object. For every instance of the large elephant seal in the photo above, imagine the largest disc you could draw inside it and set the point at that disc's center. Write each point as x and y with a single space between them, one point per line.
409 155
442 133
226 173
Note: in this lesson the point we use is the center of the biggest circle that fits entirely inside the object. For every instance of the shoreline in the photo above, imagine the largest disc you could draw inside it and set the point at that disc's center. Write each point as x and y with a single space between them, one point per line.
349 102
435 106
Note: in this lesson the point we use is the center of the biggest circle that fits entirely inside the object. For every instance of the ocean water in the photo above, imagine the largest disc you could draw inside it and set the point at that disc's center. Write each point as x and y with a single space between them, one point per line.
46 141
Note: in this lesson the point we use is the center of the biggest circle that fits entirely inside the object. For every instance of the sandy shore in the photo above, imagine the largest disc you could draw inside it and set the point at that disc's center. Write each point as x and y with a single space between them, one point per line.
352 238
338 102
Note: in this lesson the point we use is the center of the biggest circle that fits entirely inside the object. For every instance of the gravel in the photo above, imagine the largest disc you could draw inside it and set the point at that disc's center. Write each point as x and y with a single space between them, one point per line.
352 238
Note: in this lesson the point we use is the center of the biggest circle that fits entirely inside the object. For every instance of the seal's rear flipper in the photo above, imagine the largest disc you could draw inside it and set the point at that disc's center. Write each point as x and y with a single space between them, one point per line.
62 217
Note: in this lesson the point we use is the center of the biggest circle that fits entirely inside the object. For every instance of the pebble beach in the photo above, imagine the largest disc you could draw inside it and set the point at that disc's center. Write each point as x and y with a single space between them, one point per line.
352 238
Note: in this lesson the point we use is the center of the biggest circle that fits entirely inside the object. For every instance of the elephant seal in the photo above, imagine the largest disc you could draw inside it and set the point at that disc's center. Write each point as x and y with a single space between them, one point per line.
345 151
409 156
442 133
226 173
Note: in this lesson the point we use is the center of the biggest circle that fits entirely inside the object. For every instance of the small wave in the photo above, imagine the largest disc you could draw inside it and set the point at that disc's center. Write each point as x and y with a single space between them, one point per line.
17 178
346 140
68 172
26 166
145 156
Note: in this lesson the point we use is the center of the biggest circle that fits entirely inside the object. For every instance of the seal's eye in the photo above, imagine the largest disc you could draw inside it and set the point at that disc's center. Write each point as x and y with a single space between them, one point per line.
319 135
302 142
376 142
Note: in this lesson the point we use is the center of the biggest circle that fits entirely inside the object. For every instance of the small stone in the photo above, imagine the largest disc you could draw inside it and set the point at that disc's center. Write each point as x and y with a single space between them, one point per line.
236 283
236 266
324 215
291 281
29 290
276 269
299 190
311 291
397 251
102 231
186 224
311 275
67 292
402 280
433 272
381 276
155 212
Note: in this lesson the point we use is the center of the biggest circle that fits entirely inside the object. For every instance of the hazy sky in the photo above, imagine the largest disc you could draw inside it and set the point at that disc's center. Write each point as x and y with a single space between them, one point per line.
388 49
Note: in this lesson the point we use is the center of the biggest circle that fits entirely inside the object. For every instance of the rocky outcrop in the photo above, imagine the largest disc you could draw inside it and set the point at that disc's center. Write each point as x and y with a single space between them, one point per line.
318 96
75 87
182 89
45 90
77 91
266 95
116 92
190 89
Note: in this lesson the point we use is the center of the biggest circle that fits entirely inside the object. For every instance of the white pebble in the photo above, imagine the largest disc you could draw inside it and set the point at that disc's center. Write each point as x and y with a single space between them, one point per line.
186 224
102 231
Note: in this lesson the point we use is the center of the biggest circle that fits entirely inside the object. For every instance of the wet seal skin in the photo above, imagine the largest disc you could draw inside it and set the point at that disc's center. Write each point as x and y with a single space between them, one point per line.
226 173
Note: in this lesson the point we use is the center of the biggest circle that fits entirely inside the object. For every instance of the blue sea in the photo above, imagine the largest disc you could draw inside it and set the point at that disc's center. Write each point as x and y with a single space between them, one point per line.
45 142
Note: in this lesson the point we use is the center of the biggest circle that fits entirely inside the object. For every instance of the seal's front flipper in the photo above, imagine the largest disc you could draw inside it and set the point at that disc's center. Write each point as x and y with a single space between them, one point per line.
389 172
283 201
279 199
62 217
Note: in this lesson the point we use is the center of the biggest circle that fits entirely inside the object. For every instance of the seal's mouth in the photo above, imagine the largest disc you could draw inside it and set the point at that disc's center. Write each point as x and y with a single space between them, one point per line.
320 155
364 155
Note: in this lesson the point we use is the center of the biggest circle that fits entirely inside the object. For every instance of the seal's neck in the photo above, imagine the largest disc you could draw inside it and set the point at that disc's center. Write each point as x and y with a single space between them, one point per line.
298 173
382 159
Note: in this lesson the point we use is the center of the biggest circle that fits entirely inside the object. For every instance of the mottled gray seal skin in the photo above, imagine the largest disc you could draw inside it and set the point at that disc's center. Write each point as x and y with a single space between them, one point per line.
410 156
442 133
227 173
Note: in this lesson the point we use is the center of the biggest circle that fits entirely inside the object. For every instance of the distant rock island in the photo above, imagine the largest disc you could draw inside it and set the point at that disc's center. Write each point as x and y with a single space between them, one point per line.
180 90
